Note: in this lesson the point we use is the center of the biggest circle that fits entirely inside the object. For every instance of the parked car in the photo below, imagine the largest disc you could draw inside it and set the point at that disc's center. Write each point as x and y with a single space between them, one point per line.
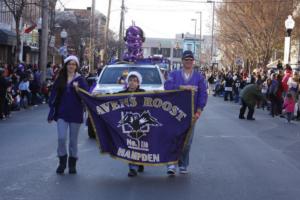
112 80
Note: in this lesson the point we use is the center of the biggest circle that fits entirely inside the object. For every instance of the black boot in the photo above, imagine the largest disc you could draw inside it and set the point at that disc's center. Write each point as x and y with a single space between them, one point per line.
72 165
62 164
141 168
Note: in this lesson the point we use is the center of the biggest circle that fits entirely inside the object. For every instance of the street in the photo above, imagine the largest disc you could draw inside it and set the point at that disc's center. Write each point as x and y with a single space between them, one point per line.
231 159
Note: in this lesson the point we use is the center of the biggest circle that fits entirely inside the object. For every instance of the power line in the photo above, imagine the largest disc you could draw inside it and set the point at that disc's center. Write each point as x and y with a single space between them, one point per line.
233 1
61 3
163 10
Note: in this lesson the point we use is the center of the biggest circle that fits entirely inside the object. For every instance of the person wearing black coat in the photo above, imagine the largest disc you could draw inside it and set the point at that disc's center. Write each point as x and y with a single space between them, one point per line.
3 91
228 87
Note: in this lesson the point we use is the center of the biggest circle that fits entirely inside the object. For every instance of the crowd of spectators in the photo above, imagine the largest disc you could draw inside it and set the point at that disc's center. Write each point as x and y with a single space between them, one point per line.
279 86
21 87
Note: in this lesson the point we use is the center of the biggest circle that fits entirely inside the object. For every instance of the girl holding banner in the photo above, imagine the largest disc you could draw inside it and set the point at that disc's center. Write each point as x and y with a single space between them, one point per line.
66 109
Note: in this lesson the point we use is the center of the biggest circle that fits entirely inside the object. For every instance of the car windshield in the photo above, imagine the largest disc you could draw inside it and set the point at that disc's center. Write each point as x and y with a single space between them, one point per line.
115 75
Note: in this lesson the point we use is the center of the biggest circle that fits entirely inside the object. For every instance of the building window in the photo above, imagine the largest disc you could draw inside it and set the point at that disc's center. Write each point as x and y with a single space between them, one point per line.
155 50
5 15
189 47
166 52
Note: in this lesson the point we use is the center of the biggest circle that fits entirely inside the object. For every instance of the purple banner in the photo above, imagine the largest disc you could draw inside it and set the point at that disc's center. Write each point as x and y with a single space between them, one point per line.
148 128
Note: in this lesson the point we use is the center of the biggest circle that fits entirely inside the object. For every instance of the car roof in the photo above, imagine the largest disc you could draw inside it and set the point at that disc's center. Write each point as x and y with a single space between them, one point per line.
132 65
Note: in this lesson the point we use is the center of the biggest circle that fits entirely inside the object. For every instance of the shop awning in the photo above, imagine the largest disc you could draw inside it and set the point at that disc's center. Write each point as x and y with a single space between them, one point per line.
29 48
7 37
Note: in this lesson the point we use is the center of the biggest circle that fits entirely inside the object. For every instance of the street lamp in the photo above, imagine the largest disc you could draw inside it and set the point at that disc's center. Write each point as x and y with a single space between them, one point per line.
195 20
289 25
63 36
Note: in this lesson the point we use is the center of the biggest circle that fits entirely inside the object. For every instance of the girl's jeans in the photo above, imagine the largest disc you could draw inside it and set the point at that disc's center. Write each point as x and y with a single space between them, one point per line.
62 130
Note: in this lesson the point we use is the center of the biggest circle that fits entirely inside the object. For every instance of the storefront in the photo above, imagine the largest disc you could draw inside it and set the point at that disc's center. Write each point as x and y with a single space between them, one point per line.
31 54
31 47
7 44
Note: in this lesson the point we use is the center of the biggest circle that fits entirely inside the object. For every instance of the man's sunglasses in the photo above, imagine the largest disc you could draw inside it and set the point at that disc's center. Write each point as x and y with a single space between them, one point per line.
188 59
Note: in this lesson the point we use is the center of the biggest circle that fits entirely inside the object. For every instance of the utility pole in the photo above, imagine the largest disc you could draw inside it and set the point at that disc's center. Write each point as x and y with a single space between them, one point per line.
212 33
92 36
22 40
105 56
44 40
121 31
195 32
200 41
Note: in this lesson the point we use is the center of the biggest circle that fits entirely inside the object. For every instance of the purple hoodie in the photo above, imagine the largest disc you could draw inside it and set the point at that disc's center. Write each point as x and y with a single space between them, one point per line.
70 108
176 79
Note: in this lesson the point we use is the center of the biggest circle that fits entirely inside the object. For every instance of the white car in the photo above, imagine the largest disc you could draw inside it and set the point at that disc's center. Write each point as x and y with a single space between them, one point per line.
112 80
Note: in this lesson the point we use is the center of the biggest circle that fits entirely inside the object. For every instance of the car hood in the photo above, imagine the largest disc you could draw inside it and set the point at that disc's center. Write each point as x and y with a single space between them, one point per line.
114 88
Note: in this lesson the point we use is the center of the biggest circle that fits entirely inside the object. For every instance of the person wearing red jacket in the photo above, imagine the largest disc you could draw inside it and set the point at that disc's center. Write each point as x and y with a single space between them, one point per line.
288 73
289 106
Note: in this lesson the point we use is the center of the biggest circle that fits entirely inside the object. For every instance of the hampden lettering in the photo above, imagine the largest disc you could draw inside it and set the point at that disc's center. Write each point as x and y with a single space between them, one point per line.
137 156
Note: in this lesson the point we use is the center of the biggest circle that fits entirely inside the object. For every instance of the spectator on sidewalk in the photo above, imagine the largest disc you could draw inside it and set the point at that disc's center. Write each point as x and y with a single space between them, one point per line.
211 83
25 92
293 84
264 91
236 87
3 93
249 96
272 93
288 73
228 87
289 106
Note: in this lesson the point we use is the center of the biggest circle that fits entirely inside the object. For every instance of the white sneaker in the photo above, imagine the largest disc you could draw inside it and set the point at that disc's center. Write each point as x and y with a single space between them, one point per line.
171 170
183 170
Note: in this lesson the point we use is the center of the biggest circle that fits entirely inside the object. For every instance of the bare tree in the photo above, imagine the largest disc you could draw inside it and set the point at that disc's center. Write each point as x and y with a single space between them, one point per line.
252 30
76 27
113 45
17 7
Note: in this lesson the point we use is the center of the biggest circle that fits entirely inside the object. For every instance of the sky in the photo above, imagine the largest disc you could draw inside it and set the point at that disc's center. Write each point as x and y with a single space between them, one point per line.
158 18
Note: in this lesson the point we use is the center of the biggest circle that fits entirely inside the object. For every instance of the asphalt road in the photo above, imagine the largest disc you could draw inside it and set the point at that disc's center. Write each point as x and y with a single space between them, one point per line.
231 159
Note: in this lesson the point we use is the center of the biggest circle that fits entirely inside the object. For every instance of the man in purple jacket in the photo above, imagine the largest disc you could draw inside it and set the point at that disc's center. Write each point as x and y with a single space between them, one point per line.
187 79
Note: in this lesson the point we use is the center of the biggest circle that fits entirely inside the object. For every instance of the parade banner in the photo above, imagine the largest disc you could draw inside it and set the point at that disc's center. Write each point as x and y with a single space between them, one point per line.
149 128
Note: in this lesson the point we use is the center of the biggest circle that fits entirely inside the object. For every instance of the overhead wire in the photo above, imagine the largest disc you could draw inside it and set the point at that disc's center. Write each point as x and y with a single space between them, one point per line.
61 3
229 1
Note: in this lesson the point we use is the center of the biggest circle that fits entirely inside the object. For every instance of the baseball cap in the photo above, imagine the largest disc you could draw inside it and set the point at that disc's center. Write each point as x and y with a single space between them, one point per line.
187 54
